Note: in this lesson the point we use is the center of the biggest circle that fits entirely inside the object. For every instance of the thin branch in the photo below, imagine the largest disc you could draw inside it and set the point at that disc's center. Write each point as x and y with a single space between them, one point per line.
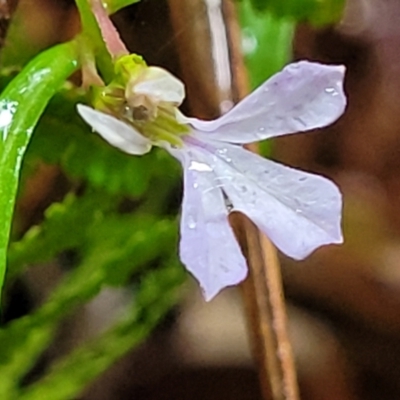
198 24
262 290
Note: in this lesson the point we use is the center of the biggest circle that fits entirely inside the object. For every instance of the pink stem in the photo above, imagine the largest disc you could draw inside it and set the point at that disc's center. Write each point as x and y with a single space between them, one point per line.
111 37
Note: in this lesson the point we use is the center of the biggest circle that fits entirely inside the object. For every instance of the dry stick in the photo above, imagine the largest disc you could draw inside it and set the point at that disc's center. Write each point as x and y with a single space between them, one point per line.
266 312
262 290
195 36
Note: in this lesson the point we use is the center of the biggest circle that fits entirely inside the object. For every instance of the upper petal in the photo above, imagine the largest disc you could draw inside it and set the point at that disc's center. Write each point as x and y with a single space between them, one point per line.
114 131
298 211
208 247
160 84
301 97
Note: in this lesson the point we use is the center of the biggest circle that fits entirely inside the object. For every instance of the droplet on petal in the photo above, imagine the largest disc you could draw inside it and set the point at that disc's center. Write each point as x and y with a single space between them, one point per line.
199 166
303 96
191 222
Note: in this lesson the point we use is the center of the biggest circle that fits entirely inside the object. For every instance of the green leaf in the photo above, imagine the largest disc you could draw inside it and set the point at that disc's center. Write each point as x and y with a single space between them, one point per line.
158 292
126 241
58 232
21 105
267 42
113 248
267 46
63 138
318 12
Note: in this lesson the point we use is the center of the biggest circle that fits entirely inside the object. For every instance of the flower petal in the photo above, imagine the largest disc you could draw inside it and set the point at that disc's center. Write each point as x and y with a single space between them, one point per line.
208 246
301 97
117 133
298 211
160 84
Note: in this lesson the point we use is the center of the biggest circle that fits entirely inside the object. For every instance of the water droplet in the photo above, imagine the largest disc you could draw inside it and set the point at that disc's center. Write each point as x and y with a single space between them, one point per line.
195 185
261 129
7 111
249 41
331 90
222 153
191 223
199 166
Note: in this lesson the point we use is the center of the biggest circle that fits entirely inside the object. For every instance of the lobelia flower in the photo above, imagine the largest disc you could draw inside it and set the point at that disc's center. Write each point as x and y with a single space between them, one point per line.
298 211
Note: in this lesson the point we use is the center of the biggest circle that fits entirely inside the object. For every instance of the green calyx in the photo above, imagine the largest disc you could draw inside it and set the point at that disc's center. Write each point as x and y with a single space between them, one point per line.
164 128
128 67
153 118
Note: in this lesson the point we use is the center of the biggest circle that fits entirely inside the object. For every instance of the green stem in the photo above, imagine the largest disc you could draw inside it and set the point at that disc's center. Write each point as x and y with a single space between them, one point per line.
21 105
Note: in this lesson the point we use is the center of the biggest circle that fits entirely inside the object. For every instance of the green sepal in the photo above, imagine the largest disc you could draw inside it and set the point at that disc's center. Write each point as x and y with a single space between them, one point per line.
112 96
128 67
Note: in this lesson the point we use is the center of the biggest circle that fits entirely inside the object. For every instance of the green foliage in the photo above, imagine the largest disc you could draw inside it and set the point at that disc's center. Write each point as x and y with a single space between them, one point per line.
157 293
24 340
266 41
115 5
62 138
43 242
267 46
21 105
110 248
318 12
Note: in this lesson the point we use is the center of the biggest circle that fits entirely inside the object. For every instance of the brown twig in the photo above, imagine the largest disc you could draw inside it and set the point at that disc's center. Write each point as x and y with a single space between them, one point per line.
262 290
195 36
264 302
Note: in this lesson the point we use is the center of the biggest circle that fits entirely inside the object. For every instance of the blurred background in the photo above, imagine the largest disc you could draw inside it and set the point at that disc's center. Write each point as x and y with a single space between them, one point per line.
343 301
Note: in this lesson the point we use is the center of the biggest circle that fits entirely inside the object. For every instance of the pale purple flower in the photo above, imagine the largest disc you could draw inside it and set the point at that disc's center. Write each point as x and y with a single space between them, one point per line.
298 211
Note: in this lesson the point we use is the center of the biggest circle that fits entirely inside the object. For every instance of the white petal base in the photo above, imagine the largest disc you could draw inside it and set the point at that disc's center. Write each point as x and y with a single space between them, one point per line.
117 133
